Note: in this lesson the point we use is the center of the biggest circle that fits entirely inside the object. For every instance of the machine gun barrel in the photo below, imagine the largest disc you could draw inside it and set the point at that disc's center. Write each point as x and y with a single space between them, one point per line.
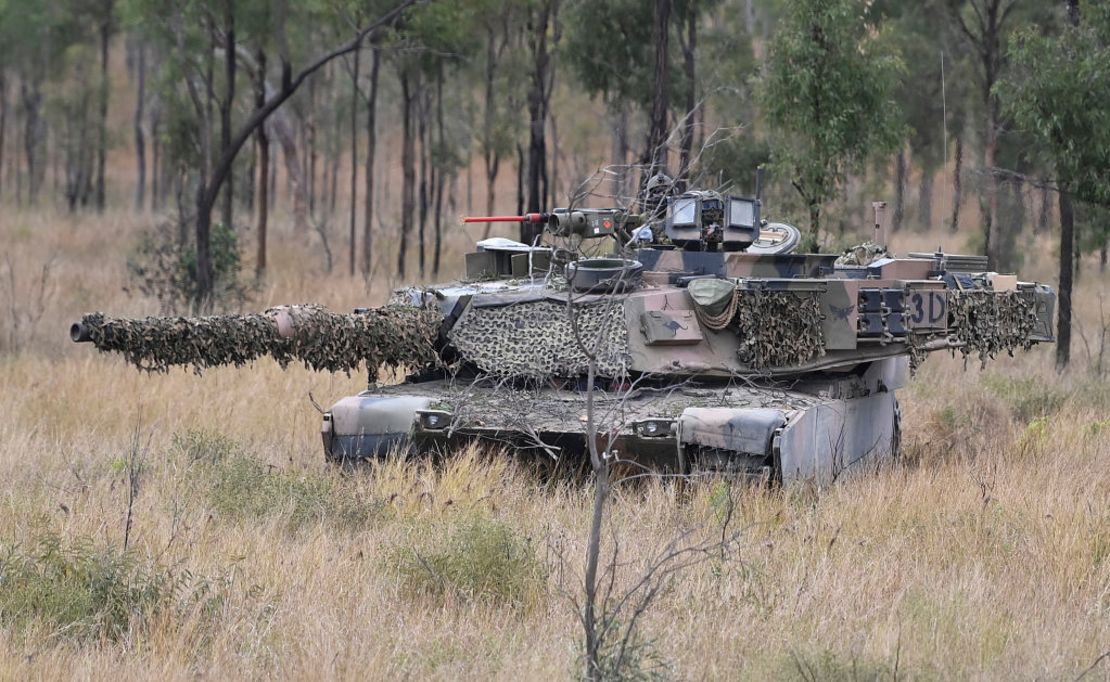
391 336
534 218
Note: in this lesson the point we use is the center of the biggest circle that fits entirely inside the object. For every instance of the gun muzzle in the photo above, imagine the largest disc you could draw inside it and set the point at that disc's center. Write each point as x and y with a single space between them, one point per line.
79 332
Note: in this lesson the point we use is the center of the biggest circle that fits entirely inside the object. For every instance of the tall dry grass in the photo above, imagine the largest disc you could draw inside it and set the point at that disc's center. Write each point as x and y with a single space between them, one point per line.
984 554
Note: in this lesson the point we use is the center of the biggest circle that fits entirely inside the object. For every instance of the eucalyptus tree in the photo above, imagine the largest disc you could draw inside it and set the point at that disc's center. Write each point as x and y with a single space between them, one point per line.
179 21
828 93
1058 92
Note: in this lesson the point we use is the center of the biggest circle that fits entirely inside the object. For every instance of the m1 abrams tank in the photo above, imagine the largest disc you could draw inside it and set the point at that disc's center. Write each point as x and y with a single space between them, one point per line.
704 342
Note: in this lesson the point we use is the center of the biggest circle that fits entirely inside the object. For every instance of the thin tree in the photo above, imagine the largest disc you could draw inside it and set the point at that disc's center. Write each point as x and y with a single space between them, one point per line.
1054 95
352 240
655 154
371 144
209 187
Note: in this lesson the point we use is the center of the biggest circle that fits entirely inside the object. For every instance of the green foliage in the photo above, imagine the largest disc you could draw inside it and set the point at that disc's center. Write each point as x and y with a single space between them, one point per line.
828 93
1029 398
163 265
80 591
610 48
240 488
471 556
1057 92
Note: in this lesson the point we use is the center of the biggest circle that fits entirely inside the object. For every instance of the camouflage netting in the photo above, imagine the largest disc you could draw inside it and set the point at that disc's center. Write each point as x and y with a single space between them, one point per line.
987 322
391 336
862 254
778 328
536 340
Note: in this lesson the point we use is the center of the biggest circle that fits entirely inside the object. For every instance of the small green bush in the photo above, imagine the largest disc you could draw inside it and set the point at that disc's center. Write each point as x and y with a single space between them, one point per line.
242 488
474 557
164 266
80 591
1028 398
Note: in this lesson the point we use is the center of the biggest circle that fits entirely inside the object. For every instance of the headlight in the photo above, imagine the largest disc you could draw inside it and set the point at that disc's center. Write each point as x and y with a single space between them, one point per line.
434 420
655 428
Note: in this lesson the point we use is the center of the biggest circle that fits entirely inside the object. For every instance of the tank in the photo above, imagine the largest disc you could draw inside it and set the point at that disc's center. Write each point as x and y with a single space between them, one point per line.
691 338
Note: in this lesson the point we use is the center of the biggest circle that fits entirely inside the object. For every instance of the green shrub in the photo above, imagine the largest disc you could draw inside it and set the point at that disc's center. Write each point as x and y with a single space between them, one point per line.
80 591
473 557
240 487
1028 398
163 266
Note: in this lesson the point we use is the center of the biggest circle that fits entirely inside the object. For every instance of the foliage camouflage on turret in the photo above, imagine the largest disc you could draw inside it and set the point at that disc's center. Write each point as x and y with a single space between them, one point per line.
778 328
987 322
392 336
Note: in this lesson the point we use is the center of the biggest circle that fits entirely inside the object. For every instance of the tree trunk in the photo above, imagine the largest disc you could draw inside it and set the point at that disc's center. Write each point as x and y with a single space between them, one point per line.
519 179
227 214
102 138
353 236
925 200
283 131
422 135
3 124
655 156
957 185
552 197
537 118
440 177
618 123
689 54
371 143
263 176
992 227
30 93
1045 214
156 162
1067 245
491 153
899 191
408 171
140 139
310 143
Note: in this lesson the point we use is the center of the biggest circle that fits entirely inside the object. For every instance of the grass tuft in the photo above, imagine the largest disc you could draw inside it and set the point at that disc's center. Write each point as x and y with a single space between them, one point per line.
242 488
79 591
472 556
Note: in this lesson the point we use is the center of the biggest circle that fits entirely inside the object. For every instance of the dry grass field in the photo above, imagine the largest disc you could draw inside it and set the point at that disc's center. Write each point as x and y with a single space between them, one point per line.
984 554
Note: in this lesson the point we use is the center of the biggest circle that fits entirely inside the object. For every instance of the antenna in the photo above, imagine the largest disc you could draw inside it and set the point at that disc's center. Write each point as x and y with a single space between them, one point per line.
944 134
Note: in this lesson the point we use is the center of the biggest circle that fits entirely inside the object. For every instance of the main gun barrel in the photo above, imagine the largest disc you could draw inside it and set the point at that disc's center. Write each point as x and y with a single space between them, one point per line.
391 336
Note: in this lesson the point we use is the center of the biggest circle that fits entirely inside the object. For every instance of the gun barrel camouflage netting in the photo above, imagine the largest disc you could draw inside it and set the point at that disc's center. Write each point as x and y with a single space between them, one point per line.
391 336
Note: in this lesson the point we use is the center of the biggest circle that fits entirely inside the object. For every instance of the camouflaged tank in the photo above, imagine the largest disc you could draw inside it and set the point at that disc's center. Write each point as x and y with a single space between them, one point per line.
710 345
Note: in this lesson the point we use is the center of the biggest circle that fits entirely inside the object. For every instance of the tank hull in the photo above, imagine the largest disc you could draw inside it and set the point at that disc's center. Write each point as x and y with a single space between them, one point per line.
818 429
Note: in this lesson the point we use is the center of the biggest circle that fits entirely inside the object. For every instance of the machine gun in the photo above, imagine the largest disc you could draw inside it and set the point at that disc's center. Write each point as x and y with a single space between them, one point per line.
693 221
586 223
